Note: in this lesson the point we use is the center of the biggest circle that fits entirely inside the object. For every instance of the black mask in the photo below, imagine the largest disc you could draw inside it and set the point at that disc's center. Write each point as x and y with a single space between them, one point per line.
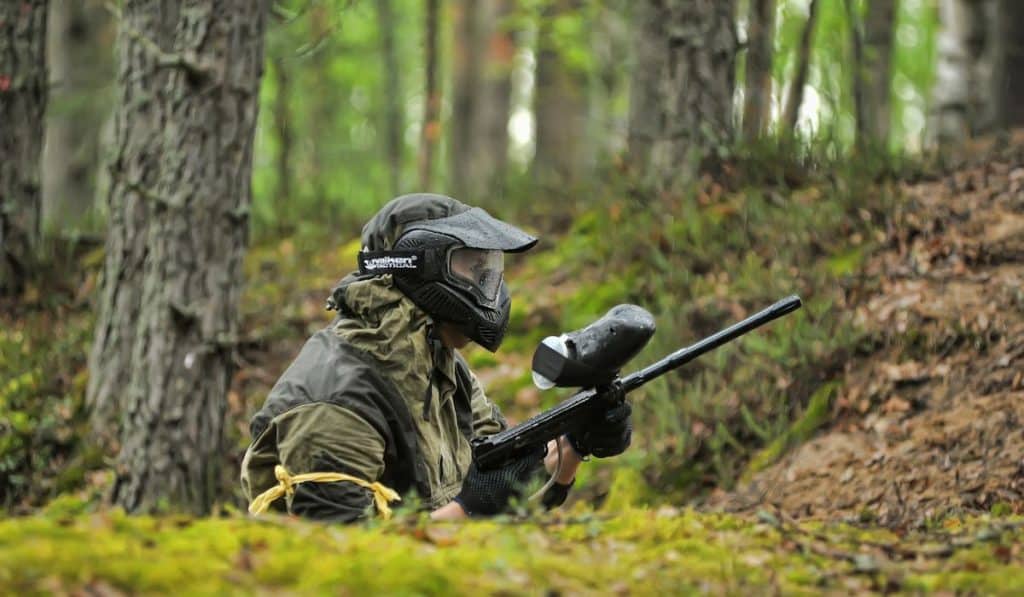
451 267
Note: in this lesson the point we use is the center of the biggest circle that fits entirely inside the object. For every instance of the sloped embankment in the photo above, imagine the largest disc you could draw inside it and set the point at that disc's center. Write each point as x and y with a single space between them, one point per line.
929 420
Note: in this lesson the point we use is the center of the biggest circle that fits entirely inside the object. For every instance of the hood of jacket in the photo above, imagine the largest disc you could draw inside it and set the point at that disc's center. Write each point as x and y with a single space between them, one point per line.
377 318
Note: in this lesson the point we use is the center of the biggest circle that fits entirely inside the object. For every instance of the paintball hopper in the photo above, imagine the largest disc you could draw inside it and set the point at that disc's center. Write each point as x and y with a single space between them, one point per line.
592 356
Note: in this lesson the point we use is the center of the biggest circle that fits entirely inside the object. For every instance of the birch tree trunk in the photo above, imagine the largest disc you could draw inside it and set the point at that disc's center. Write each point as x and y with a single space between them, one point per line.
484 49
757 96
681 101
146 33
876 74
560 104
179 218
23 94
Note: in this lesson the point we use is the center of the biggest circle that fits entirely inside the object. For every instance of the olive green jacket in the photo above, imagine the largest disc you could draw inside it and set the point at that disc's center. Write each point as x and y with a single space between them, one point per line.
375 396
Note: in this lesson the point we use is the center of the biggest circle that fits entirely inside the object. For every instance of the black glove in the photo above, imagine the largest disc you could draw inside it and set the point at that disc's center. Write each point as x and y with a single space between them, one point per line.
605 433
485 493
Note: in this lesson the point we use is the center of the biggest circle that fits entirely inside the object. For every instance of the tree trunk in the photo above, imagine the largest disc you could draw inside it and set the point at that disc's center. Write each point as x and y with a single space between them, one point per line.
323 121
81 64
394 119
681 108
283 127
430 132
859 80
609 40
1009 91
192 172
560 104
963 103
484 49
23 94
757 97
795 99
146 31
877 71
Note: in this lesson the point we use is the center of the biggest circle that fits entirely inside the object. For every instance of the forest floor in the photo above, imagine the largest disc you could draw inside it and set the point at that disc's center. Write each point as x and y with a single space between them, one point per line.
913 481
929 423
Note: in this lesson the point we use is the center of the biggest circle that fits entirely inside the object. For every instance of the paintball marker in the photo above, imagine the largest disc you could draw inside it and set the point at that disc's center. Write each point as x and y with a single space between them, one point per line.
591 358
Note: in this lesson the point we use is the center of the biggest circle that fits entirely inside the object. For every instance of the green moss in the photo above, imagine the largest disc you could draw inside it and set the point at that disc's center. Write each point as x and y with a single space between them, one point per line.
623 548
479 359
1001 509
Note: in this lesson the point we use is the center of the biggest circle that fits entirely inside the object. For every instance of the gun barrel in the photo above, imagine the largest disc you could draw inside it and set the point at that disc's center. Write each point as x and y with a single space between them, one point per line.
685 355
492 450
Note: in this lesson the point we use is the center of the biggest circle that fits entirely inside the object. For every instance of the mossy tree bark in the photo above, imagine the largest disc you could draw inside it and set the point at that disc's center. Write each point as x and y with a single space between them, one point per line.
560 101
198 93
681 101
482 92
23 95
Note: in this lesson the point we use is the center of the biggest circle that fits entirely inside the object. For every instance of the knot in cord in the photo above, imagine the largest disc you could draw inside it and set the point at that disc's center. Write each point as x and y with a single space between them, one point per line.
286 486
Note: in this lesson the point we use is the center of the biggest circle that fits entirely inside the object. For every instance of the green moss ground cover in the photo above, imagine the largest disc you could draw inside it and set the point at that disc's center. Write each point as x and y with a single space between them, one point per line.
636 551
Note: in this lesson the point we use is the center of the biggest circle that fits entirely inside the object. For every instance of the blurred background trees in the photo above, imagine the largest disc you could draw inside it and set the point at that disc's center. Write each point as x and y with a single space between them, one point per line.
360 104
23 96
978 88
529 106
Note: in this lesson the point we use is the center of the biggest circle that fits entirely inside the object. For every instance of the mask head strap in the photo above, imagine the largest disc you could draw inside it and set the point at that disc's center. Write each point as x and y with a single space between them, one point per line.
376 263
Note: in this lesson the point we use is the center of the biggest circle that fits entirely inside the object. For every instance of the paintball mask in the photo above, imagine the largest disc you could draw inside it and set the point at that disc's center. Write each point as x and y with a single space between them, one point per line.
452 268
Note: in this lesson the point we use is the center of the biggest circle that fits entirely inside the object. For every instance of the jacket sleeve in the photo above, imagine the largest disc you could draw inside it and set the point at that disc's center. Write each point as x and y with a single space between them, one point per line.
487 417
324 438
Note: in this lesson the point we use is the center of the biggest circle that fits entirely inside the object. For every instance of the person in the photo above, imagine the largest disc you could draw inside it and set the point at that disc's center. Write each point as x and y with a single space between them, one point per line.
381 400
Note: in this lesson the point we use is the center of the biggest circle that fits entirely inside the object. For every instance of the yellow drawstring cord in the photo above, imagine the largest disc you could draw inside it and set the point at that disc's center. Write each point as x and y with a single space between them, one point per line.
287 482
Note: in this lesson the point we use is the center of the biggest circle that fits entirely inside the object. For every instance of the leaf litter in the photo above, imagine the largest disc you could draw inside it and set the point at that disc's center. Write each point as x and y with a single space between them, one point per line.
927 425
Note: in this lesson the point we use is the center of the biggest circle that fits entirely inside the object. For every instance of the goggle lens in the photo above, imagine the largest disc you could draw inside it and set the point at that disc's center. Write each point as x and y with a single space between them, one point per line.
482 269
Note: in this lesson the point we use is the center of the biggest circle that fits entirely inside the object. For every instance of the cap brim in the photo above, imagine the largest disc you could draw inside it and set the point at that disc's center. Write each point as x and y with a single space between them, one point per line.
477 229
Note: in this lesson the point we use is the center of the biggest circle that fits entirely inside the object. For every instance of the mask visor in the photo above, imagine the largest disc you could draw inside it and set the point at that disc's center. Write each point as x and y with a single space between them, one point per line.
480 269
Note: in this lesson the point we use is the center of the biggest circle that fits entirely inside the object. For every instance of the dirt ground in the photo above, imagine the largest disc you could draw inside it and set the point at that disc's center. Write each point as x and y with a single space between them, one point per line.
928 421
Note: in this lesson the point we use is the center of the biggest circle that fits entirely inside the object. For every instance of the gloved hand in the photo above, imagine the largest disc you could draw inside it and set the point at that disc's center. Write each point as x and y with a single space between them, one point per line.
605 433
485 493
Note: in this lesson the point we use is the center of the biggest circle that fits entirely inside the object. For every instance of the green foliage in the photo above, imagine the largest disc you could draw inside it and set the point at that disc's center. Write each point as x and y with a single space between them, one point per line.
42 418
334 110
828 104
817 413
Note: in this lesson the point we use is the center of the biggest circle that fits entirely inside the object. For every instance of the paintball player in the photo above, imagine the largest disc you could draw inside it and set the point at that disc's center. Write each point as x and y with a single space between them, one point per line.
380 401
